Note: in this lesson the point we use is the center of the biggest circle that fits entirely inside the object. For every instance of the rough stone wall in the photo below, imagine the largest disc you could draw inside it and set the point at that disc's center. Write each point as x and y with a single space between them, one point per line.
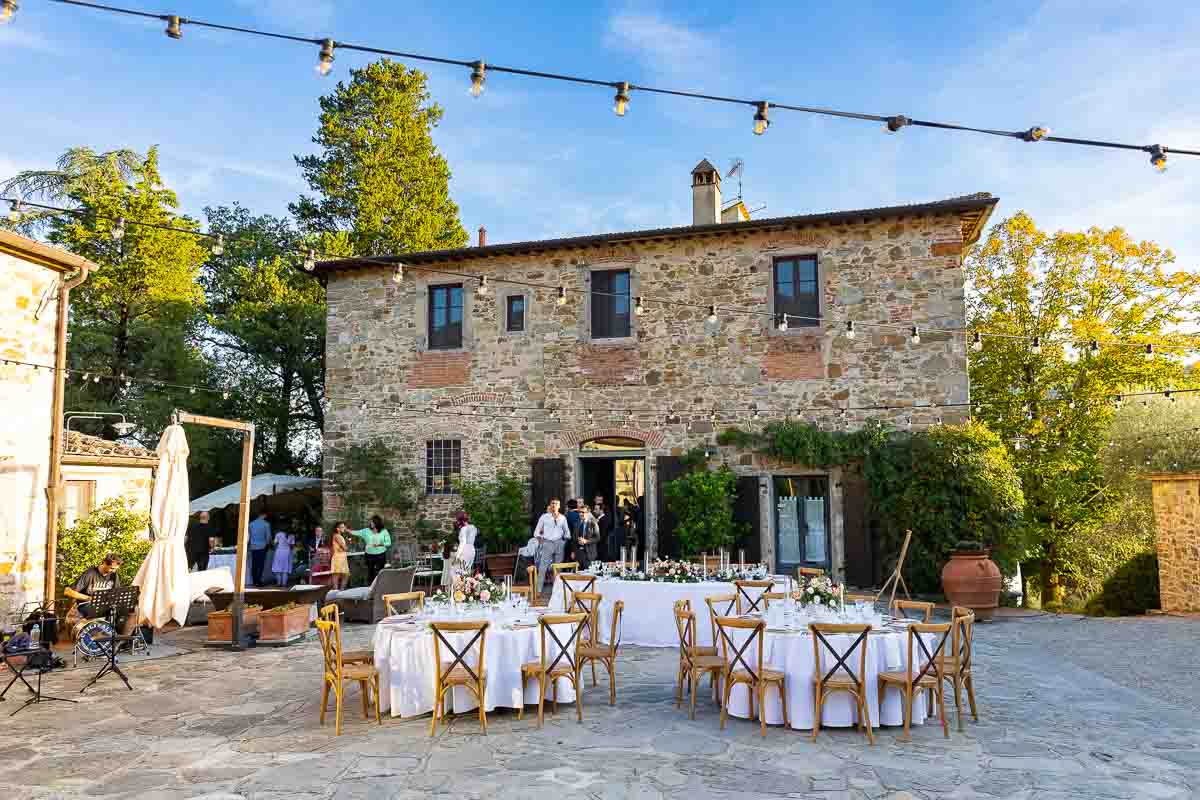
26 395
676 364
1177 535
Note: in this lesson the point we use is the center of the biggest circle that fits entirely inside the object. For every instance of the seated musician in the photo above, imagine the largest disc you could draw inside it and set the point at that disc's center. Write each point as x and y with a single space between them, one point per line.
99 578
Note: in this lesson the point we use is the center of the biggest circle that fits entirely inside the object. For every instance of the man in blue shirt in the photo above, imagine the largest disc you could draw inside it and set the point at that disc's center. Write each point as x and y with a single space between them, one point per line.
260 538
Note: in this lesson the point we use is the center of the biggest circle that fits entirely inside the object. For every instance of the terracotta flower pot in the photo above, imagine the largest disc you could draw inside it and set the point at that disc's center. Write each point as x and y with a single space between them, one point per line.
973 580
283 626
220 624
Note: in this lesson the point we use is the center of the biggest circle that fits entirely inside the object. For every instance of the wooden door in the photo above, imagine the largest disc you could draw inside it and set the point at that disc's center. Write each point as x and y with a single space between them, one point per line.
547 481
746 509
667 469
856 529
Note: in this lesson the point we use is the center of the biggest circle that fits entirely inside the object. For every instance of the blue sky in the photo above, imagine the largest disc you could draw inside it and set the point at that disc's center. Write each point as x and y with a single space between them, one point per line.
534 159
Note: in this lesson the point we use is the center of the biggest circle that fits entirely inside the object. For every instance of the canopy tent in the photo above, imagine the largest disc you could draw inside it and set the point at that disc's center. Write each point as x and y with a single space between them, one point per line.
277 493
163 576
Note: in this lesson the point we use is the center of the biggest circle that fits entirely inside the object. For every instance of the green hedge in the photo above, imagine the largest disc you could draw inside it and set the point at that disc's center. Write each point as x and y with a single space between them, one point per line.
1132 589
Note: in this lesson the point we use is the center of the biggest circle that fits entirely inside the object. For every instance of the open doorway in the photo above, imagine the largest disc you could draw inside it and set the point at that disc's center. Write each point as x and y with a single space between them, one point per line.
609 469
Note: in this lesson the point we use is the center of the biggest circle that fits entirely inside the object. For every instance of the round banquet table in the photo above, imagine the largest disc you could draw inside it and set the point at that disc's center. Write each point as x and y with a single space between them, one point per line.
649 618
792 654
404 657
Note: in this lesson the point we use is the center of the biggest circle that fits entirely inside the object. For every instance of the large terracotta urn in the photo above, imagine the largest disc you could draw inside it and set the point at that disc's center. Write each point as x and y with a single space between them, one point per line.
973 580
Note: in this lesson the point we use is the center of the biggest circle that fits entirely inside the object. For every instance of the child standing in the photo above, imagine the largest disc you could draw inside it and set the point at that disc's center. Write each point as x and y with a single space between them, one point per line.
281 565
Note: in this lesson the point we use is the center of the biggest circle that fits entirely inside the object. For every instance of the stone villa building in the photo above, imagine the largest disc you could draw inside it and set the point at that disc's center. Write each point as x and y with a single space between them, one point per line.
603 365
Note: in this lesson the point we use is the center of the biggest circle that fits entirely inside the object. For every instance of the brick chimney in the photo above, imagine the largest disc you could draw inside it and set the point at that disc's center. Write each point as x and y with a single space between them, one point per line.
706 194
482 236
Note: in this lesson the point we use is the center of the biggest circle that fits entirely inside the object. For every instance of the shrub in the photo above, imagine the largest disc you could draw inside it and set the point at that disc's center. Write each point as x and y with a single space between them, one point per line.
499 509
113 527
368 482
702 501
1131 589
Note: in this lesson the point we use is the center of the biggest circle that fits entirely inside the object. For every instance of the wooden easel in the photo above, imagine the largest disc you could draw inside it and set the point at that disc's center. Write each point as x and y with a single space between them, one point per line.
896 579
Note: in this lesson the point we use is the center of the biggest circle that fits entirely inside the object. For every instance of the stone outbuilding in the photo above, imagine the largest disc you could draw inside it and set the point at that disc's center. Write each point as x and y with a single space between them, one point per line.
96 469
1177 540
591 365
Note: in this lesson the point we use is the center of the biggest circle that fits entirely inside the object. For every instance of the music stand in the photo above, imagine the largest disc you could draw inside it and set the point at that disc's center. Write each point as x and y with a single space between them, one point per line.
42 669
113 603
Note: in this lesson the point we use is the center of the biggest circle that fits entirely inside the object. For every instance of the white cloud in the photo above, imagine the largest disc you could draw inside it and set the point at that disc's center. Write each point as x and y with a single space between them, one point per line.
665 47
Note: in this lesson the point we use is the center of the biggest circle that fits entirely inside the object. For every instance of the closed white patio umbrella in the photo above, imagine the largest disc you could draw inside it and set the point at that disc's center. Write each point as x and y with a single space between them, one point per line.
163 576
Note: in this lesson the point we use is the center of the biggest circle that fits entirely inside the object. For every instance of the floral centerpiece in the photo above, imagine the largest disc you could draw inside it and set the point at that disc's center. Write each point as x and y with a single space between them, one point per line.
668 571
746 572
820 590
468 588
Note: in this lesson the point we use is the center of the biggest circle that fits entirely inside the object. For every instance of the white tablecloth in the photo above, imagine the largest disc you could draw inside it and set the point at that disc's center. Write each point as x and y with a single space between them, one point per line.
229 561
404 658
792 653
649 618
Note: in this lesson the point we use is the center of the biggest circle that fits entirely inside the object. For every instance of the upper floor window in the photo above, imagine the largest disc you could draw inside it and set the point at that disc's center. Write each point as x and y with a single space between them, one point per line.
446 317
797 290
514 313
443 465
610 304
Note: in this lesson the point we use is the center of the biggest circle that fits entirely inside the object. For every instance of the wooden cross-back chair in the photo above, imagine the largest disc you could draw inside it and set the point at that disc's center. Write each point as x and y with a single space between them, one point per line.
913 609
560 567
750 602
458 671
923 671
338 673
414 600
573 582
331 613
756 677
719 605
561 662
840 677
699 649
605 652
956 665
694 662
587 603
771 597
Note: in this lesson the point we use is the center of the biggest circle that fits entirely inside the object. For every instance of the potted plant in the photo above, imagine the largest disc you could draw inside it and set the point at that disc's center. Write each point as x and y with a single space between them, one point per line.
283 624
970 578
220 624
499 509
702 502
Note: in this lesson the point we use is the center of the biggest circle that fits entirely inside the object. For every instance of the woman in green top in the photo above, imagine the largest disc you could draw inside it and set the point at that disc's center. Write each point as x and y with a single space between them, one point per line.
377 542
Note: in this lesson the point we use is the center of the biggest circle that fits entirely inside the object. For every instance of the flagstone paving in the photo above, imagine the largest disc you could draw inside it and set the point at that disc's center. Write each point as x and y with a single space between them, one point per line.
1070 708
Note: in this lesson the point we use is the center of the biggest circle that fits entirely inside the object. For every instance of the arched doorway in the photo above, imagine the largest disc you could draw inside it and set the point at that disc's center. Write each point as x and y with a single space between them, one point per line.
614 468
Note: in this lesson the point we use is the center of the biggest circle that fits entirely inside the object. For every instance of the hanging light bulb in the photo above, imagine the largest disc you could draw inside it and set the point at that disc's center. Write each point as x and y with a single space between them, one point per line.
7 9
1035 134
218 247
621 100
14 214
174 29
850 329
326 62
1071 403
1158 157
590 415
192 390
1016 444
118 230
95 379
86 375
1168 394
638 308
894 124
1094 347
224 395
362 406
915 335
1149 354
562 295
128 382
712 313
478 68
761 123
398 274
783 323
1036 349
1117 403
310 261
977 342
482 288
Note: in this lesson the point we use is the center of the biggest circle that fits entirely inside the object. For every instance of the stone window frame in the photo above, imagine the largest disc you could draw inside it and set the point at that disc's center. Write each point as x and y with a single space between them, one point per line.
462 469
421 312
782 254
502 296
585 322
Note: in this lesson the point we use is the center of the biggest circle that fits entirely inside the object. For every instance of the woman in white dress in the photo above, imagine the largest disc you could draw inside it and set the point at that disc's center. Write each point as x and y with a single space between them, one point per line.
464 556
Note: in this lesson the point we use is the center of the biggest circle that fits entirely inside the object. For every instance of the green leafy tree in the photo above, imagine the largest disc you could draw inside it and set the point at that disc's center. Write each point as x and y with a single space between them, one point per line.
379 180
112 527
499 508
1069 289
368 481
702 502
267 321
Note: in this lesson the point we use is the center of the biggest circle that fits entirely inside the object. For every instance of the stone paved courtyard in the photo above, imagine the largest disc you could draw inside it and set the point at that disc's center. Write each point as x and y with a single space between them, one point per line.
1071 708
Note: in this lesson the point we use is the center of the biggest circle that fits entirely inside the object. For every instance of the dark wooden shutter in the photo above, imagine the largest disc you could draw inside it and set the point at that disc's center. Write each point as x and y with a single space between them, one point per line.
547 481
860 561
746 509
667 469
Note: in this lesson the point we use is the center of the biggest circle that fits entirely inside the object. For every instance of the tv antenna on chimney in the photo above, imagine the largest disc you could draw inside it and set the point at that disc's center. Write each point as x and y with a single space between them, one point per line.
737 167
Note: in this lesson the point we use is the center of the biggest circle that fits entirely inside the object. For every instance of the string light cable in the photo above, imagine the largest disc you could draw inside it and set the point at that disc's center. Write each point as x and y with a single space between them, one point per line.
479 69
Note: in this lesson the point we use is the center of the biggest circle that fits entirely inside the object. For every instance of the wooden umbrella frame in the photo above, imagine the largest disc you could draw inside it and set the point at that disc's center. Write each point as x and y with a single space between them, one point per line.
239 576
